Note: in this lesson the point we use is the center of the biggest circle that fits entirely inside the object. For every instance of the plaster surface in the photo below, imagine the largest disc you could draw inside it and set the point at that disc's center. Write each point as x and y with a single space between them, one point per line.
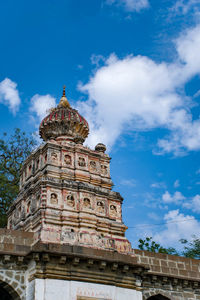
51 289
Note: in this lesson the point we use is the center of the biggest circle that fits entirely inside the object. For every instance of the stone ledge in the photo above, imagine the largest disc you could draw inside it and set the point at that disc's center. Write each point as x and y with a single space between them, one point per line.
144 253
169 265
171 276
10 234
15 242
86 252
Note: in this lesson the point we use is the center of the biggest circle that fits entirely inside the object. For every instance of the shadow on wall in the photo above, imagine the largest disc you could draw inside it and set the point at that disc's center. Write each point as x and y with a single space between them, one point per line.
7 292
158 297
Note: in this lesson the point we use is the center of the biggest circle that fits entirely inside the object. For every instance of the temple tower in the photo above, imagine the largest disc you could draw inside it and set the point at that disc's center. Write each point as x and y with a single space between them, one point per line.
66 192
66 239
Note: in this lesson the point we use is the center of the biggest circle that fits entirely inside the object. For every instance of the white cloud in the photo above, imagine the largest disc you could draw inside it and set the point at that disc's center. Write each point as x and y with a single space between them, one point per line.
179 226
137 93
97 59
158 185
130 5
182 7
188 50
176 198
41 104
176 183
194 204
9 95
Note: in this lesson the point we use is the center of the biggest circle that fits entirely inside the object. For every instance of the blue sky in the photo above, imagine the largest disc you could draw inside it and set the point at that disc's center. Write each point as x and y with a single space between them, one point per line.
132 69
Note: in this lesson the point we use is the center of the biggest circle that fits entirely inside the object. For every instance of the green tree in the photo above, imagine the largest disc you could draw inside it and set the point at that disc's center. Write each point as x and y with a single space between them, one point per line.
149 245
192 248
14 150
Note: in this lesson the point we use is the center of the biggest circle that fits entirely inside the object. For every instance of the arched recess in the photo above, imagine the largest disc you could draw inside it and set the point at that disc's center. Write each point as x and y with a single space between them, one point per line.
158 297
7 292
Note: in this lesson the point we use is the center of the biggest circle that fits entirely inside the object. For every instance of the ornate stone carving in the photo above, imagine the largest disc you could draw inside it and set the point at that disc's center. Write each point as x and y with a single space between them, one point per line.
30 169
70 200
54 156
87 203
104 169
67 159
93 165
100 207
38 200
23 214
33 205
54 198
81 161
28 207
113 210
16 216
37 163
64 121
19 210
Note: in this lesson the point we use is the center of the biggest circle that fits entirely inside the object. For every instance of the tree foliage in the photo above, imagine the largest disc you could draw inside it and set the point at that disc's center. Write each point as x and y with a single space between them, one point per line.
191 248
14 150
149 245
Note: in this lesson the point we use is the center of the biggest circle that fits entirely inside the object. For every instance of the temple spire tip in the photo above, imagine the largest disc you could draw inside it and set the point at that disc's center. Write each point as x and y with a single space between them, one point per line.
63 101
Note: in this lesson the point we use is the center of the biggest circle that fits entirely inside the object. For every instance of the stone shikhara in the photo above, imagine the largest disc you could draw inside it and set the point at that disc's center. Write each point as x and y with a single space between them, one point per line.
65 188
66 237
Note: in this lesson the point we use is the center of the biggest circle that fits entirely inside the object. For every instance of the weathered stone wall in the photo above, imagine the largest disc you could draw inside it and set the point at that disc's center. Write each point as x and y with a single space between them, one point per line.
12 277
15 242
175 277
169 265
14 246
23 262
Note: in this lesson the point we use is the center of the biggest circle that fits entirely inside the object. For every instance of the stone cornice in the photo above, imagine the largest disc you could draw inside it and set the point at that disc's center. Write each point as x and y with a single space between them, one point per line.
86 264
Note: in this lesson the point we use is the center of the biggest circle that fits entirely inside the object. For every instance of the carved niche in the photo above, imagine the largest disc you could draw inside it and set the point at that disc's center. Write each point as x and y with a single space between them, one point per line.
28 207
18 212
100 207
54 157
104 169
15 217
23 214
67 159
93 165
10 223
38 201
33 205
54 198
87 203
37 164
70 200
81 161
30 169
113 210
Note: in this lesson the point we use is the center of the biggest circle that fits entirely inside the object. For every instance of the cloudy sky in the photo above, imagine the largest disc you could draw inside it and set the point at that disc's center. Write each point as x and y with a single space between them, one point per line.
132 69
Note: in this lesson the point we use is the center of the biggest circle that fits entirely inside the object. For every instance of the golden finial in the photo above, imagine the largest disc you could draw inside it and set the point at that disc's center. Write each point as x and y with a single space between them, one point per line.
63 101
64 87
